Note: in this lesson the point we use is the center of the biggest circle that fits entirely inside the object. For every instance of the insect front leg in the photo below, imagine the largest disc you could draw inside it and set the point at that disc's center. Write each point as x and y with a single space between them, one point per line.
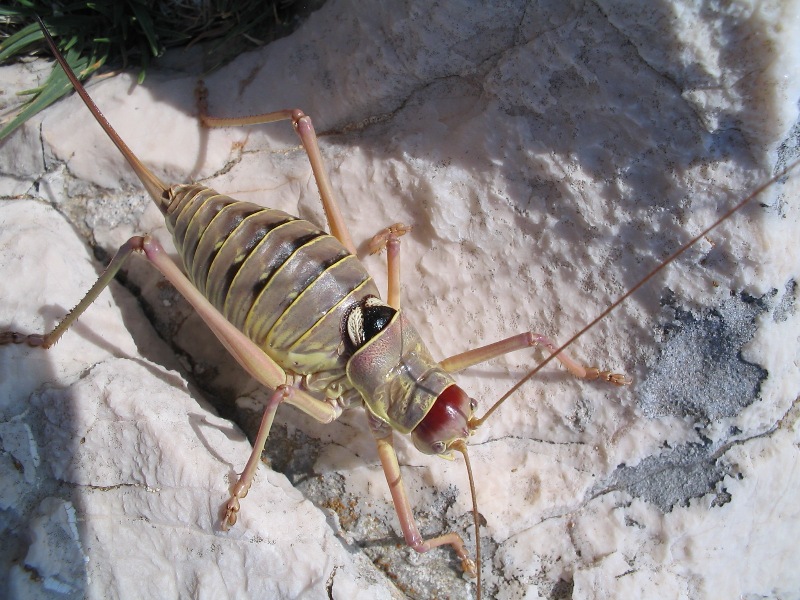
384 438
389 238
529 339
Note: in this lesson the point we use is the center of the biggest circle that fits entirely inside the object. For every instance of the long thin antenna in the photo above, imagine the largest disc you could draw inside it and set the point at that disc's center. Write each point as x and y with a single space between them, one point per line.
461 446
475 423
154 186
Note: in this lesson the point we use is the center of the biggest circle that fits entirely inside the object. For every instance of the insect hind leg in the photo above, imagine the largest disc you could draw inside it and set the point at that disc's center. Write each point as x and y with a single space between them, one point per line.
249 355
47 340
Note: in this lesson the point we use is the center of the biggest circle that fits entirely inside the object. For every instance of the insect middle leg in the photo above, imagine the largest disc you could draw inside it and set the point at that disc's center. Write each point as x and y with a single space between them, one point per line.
389 238
305 130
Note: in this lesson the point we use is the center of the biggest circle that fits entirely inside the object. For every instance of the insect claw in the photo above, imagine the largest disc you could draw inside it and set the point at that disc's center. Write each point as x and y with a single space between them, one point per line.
618 379
468 566
383 237
614 378
232 507
34 340
231 510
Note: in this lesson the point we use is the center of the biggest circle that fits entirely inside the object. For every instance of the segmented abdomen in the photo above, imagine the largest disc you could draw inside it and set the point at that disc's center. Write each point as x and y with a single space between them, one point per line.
283 282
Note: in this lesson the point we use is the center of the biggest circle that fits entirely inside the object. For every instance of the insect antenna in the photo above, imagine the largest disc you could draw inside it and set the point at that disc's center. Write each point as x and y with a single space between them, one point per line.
461 446
154 186
477 422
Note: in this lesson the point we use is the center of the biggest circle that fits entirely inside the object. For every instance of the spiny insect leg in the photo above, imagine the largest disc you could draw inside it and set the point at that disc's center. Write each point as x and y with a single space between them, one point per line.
47 340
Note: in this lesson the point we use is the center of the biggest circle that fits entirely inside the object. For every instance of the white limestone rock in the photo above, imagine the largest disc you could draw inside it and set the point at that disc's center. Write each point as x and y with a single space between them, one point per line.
547 157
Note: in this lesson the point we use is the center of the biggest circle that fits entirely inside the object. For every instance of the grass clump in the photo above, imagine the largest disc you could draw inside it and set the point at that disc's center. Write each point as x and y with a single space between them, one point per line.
125 33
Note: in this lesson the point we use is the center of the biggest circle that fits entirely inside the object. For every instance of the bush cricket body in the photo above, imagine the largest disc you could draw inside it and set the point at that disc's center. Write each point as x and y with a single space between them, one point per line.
510 331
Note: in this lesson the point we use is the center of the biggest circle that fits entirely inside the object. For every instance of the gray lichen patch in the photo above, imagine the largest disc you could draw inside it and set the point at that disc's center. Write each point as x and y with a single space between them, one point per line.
699 371
671 478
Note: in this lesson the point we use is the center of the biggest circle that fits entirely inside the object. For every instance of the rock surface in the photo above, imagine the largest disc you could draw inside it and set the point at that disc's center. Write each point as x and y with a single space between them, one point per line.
547 158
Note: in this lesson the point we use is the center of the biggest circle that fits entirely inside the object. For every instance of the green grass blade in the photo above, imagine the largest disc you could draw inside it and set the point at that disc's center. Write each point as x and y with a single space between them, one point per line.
19 42
56 86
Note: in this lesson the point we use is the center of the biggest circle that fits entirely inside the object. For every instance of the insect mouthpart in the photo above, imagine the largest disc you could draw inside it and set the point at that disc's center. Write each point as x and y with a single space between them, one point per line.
446 422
